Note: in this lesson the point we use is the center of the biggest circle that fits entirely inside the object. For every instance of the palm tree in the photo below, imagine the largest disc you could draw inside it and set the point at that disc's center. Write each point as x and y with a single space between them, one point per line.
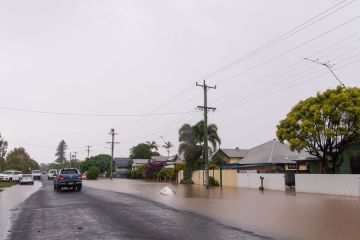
191 140
168 146
152 145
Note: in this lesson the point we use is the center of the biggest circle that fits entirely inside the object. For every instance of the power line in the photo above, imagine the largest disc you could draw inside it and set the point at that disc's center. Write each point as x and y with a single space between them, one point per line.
91 115
282 37
289 50
286 87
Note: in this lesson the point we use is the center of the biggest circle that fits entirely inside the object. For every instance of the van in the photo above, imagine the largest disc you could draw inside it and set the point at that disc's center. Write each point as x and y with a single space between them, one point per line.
52 174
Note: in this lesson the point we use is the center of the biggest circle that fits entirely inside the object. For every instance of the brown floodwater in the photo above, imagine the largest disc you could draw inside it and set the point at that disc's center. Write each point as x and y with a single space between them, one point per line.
9 199
283 215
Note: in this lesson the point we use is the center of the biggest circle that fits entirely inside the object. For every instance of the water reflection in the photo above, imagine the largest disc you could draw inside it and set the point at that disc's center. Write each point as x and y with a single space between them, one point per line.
285 215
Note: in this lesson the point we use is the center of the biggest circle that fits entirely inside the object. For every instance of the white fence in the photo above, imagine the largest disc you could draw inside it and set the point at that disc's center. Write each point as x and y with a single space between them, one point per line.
334 184
272 181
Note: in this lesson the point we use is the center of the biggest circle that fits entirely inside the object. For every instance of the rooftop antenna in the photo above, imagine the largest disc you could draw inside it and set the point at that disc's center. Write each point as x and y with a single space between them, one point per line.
329 66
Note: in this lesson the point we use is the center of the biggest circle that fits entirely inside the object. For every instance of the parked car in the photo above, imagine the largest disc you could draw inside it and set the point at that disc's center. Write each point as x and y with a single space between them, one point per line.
36 174
52 174
68 178
10 175
26 178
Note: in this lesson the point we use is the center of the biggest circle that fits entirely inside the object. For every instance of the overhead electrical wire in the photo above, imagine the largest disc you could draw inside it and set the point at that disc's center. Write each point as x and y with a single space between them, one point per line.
287 87
282 37
288 51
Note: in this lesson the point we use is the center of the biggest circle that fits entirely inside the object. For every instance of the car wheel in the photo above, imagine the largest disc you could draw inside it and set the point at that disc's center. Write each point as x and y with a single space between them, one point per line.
55 187
10 179
59 188
79 188
32 183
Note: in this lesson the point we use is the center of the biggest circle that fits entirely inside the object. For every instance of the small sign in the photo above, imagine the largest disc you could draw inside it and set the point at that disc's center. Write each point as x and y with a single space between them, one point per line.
291 166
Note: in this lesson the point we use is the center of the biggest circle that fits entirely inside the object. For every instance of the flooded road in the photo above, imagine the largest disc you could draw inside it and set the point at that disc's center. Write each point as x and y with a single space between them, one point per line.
10 198
271 213
94 214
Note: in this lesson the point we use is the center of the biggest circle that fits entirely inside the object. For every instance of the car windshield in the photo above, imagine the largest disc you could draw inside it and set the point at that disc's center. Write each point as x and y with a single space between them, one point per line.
36 171
26 175
69 171
52 171
7 172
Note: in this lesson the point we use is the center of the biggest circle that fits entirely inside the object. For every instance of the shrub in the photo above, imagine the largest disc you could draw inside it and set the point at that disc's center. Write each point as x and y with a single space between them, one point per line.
166 173
92 173
213 181
186 181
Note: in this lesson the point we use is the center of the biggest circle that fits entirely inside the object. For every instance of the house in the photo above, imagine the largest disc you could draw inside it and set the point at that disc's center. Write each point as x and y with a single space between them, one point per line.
273 156
121 167
350 161
173 160
167 161
136 163
231 155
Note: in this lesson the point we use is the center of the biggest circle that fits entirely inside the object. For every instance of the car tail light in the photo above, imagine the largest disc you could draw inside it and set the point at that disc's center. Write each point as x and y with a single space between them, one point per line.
61 177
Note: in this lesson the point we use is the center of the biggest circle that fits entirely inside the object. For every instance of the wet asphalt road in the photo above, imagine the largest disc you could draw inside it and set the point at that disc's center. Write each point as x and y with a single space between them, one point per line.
99 214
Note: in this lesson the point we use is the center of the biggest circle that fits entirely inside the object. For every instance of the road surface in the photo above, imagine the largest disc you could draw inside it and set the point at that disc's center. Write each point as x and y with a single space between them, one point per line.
100 214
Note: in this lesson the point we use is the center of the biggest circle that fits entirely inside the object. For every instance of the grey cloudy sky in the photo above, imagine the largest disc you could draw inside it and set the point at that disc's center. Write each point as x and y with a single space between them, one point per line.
139 57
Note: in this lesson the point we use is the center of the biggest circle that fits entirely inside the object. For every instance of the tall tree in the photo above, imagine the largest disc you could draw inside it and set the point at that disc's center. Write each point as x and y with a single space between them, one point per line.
3 149
152 145
61 152
142 151
324 125
191 140
19 159
168 146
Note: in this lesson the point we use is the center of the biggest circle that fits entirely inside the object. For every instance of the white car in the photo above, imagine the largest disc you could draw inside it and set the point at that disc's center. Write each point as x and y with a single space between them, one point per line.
10 175
52 174
36 174
26 178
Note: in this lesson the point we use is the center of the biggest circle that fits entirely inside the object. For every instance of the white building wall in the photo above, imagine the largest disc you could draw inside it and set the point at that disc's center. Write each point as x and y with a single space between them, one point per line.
272 181
334 184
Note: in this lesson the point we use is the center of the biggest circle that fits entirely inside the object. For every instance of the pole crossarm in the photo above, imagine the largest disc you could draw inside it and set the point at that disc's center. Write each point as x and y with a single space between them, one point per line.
329 66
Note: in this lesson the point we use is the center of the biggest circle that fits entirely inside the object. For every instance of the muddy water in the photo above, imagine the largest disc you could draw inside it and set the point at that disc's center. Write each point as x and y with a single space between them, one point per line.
9 199
271 213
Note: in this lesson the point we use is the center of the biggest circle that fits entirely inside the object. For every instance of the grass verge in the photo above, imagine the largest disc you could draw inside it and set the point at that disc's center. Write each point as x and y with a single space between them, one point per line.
6 184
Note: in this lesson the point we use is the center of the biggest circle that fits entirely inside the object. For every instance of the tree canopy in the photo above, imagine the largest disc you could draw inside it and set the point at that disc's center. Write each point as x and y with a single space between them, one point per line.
101 161
323 125
143 151
3 149
61 152
191 140
19 159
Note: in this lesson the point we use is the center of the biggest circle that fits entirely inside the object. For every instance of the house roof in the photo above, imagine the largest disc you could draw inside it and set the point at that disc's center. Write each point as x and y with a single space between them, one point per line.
140 161
121 161
234 152
160 158
272 152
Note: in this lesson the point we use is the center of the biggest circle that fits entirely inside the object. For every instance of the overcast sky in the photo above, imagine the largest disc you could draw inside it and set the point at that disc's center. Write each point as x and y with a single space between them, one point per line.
141 57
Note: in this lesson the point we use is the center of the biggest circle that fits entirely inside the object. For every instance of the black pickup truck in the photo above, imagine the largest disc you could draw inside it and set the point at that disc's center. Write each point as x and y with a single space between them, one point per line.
68 178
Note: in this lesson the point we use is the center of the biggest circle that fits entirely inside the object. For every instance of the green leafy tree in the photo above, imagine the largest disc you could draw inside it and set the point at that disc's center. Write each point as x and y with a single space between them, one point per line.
323 125
61 152
3 149
101 161
19 159
142 151
191 140
92 173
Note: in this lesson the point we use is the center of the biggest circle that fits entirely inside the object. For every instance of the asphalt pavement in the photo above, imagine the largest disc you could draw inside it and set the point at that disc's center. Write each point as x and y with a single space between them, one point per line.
101 214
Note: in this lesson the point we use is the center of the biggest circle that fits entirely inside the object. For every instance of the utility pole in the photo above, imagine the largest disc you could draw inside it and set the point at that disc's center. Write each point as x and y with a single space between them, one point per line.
88 150
329 66
75 159
69 159
112 133
205 108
